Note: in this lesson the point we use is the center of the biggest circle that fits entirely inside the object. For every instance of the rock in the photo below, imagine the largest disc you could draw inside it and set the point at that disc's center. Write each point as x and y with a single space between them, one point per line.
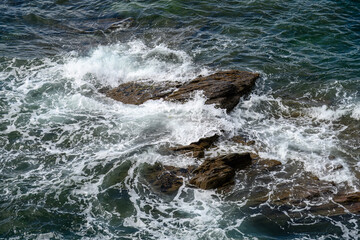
118 24
342 203
224 89
213 177
316 197
261 164
217 172
138 93
267 164
351 201
242 140
197 148
166 179
349 198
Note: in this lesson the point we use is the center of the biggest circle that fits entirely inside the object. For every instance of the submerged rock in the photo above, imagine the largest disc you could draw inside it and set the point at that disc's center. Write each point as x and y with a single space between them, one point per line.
103 25
224 89
117 24
217 172
351 201
324 203
242 140
305 191
166 179
197 148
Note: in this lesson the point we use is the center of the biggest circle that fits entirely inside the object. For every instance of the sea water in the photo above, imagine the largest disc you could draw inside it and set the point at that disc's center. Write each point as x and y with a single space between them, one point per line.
72 159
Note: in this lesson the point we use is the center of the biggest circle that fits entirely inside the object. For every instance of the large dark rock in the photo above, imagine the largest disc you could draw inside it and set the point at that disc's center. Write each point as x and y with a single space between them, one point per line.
217 172
224 89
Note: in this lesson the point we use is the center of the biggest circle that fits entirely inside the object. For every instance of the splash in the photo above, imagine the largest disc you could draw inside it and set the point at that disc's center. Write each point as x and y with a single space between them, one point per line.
132 61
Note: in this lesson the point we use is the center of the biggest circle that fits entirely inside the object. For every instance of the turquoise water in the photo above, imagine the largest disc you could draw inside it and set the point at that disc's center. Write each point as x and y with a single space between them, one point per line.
72 160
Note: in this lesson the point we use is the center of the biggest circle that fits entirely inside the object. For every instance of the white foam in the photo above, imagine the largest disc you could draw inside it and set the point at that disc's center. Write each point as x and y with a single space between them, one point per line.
310 140
356 112
325 113
192 215
132 61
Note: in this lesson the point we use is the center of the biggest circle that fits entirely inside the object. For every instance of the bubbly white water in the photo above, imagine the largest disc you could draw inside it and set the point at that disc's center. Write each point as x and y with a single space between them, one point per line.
133 61
328 114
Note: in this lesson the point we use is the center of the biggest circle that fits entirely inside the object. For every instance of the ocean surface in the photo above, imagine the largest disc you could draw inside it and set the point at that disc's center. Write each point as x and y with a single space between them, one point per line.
71 159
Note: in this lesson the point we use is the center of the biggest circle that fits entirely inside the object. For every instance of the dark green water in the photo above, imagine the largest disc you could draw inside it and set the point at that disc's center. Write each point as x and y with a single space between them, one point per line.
72 160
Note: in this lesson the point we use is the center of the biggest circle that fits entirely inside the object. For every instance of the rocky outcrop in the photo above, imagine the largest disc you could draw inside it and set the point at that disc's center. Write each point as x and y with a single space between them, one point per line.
219 171
224 89
197 148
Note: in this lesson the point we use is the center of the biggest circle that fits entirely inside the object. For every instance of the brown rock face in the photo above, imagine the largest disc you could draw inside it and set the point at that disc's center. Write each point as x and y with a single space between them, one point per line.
138 93
219 171
197 148
224 89
351 201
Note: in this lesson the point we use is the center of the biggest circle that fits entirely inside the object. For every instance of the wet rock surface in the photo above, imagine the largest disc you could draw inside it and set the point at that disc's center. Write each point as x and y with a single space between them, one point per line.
242 140
351 201
272 187
319 200
219 171
137 93
197 148
224 89
166 179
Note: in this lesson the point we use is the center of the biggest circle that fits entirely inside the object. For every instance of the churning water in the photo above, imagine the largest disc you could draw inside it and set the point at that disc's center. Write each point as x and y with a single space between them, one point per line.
71 159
